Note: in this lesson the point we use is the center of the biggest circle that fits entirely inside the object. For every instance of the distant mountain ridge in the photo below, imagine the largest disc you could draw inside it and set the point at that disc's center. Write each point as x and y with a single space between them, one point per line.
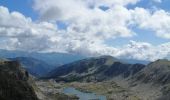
94 69
53 59
56 59
34 66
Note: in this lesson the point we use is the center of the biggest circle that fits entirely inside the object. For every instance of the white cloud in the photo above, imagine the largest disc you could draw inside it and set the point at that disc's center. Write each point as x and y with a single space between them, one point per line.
158 21
137 50
88 27
85 16
132 50
140 51
64 9
19 32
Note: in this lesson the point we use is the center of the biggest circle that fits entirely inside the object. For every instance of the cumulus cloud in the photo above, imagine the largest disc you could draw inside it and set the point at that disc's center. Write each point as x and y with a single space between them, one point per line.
64 9
86 17
158 21
19 32
87 28
132 50
144 51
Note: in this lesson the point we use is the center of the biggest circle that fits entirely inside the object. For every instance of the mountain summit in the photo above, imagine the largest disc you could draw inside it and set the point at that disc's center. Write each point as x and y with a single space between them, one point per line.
94 69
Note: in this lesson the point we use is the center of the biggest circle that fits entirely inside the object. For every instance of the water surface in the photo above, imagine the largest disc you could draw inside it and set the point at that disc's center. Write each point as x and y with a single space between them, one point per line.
83 95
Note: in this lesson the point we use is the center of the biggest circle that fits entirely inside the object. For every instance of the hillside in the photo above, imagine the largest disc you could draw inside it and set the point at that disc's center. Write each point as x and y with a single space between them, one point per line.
94 69
102 75
156 74
143 81
14 82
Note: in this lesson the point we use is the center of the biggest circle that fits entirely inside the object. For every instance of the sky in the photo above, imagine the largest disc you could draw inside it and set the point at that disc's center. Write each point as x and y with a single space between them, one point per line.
131 29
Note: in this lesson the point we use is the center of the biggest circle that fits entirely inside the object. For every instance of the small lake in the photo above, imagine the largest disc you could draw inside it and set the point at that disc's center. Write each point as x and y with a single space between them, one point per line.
83 95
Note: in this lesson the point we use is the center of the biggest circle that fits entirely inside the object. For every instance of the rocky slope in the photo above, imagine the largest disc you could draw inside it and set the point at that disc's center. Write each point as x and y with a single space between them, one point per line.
104 75
94 69
14 82
150 81
156 74
17 84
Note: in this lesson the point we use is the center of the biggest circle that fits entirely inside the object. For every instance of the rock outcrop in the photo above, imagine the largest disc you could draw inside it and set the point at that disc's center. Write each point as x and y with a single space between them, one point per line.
14 83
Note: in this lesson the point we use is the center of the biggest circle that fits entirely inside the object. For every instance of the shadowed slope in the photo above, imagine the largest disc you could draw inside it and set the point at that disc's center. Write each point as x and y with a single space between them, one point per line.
13 82
94 69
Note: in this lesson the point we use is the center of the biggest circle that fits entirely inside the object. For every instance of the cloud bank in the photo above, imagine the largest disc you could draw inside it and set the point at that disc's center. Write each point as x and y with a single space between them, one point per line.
88 25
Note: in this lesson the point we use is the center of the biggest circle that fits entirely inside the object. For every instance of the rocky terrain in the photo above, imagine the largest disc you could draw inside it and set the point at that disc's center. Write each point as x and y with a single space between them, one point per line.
94 69
50 90
17 84
141 82
14 83
103 75
156 74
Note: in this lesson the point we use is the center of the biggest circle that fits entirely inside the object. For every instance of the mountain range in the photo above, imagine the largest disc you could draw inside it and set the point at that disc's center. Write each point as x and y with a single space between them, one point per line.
155 75
56 59
53 59
39 64
94 69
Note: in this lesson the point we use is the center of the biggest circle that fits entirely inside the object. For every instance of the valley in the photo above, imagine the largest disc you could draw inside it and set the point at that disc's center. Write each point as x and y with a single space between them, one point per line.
101 78
110 89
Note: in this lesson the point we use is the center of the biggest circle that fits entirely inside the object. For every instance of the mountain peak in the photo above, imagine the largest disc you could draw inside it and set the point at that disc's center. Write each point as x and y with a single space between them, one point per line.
94 69
106 56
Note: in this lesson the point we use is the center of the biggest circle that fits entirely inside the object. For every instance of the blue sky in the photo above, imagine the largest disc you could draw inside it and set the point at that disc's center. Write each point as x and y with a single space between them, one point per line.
23 6
69 24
